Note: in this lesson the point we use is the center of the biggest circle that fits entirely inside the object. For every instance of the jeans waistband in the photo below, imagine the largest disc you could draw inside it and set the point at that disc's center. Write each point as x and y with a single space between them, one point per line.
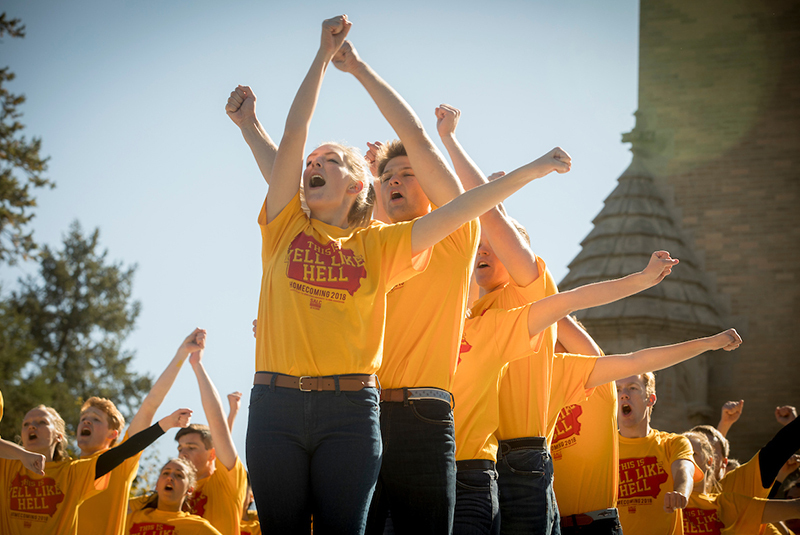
475 464
411 394
584 519
349 383
526 443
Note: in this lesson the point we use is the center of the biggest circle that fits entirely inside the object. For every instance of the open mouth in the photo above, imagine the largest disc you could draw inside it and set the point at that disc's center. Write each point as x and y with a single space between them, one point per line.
626 409
168 487
482 265
396 195
33 436
85 432
316 182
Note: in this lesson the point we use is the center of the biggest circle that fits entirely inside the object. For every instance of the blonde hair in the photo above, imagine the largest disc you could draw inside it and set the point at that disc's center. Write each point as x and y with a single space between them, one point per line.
60 453
710 482
360 212
115 419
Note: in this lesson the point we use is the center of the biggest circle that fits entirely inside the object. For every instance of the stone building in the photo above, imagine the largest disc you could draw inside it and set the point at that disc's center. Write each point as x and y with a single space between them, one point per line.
715 180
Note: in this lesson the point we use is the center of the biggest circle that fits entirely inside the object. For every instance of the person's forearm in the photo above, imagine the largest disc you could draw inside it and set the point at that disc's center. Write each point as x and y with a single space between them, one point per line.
110 459
217 423
9 450
430 167
724 426
575 340
682 478
151 403
432 228
652 359
778 510
261 145
467 170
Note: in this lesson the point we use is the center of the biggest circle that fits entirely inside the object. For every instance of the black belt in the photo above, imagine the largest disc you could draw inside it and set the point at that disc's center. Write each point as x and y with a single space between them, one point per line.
526 443
584 519
475 464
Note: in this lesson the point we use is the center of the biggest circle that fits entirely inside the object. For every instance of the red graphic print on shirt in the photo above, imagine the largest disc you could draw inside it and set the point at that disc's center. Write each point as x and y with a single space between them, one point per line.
324 266
703 521
641 477
152 528
568 423
196 503
464 348
35 496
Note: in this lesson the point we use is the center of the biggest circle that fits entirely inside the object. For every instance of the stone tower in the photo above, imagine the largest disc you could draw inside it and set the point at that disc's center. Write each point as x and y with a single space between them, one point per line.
715 180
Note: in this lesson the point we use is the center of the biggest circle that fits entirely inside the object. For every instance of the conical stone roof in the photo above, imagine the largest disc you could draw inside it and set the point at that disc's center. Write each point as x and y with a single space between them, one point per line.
634 222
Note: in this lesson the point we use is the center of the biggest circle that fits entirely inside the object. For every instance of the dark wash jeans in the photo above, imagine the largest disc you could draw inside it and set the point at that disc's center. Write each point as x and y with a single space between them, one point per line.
607 526
313 452
477 504
417 481
527 501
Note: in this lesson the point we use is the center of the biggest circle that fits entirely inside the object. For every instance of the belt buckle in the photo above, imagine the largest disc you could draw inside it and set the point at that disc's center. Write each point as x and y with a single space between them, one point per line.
300 383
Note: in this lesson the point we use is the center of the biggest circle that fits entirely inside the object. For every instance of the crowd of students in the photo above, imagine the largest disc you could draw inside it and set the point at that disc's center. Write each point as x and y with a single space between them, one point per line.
417 371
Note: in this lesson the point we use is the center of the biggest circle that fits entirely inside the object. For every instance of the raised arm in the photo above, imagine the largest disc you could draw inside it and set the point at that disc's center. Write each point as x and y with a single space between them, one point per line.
682 484
287 169
551 309
778 510
30 460
215 416
433 174
731 412
241 108
234 403
511 248
653 359
435 226
144 416
575 339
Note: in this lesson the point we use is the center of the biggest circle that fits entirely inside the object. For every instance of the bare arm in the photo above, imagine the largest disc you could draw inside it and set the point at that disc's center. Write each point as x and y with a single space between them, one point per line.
235 403
551 309
731 412
778 510
286 171
652 359
212 406
682 473
430 229
30 460
241 108
433 174
511 248
576 340
144 416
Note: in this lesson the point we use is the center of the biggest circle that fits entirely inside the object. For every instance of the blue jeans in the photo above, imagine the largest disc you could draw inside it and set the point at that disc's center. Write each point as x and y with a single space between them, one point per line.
477 504
527 501
313 452
417 482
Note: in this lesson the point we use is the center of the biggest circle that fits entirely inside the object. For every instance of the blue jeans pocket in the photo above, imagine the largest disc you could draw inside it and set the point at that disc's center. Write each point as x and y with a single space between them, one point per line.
257 393
366 397
432 412
529 463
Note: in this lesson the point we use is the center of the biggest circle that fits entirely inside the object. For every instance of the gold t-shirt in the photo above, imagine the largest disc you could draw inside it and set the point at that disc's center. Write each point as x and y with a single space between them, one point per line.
219 498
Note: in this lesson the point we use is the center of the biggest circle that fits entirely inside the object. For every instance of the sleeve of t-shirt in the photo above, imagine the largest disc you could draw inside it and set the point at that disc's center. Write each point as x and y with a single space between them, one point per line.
82 478
397 263
543 286
507 330
679 447
273 232
570 373
464 241
745 480
234 480
742 513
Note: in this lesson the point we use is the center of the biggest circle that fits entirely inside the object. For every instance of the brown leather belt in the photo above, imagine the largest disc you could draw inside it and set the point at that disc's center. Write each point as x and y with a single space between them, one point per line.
349 383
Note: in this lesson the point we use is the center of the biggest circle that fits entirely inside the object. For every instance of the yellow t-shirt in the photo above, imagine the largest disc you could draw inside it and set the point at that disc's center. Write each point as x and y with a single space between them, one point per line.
156 522
525 391
745 480
715 514
106 512
586 454
489 342
645 475
1 405
251 526
323 302
46 505
219 498
425 316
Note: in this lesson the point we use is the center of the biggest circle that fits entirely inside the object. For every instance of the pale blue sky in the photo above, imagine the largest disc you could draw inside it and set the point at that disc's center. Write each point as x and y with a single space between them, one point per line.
128 98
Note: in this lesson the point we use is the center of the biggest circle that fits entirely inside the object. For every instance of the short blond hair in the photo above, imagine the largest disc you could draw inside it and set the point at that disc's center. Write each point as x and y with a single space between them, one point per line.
116 421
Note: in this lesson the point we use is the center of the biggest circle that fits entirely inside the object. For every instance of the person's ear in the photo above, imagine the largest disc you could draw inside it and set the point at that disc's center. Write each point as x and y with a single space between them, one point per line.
356 187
